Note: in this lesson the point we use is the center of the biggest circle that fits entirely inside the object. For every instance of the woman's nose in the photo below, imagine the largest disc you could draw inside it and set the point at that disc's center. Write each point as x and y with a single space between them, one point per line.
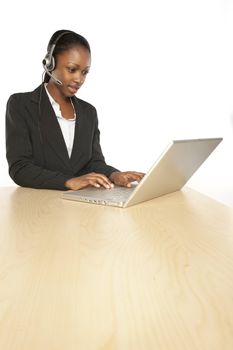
78 77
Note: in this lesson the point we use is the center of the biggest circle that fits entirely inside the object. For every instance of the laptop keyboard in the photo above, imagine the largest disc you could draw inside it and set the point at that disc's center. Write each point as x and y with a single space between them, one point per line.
116 195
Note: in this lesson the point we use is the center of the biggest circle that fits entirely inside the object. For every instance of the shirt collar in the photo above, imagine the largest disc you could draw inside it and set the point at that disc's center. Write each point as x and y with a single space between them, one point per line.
51 99
56 105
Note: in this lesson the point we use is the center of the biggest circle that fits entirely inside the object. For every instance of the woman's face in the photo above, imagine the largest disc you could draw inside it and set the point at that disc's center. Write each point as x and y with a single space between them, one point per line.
71 69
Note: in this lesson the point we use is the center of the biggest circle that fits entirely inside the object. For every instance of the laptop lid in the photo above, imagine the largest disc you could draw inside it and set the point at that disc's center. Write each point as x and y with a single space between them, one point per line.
173 169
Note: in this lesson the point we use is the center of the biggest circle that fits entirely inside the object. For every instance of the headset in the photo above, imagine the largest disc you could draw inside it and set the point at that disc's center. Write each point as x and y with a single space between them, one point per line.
49 60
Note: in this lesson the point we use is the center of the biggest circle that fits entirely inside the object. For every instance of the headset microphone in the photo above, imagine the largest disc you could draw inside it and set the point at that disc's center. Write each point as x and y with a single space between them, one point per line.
50 74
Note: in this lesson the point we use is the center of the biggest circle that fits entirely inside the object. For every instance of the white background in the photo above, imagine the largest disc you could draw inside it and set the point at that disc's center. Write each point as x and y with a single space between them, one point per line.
161 70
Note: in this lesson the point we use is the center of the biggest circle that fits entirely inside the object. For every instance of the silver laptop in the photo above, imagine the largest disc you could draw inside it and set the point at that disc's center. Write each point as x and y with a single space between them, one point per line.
169 173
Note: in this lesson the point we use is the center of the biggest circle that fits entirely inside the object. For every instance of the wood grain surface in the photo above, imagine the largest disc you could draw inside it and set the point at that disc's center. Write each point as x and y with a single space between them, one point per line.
156 276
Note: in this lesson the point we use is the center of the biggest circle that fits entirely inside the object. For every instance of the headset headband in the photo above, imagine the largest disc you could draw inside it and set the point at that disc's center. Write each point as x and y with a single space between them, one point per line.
49 61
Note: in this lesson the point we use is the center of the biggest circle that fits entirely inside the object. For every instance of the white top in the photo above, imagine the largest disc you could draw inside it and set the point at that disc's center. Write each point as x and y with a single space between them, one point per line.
67 125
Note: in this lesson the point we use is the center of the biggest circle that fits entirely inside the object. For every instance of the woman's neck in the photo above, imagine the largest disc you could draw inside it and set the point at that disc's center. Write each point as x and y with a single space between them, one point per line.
56 93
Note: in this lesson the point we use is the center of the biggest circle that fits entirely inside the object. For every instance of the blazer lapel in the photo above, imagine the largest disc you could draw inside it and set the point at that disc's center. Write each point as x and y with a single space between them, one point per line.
50 127
78 153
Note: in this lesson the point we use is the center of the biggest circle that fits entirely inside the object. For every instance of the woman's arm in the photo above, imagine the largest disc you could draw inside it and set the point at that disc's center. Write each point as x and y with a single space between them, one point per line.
22 167
97 163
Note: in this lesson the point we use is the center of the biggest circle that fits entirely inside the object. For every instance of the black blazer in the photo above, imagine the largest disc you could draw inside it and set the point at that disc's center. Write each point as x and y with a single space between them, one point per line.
35 147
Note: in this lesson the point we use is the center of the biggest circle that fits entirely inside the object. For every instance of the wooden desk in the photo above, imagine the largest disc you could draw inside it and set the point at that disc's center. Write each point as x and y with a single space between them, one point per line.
156 276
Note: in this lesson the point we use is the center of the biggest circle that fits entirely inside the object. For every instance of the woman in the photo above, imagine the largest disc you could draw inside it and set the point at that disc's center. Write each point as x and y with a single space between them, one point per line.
52 137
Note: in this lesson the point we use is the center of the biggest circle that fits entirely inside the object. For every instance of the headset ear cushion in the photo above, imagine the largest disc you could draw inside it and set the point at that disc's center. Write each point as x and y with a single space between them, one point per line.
49 62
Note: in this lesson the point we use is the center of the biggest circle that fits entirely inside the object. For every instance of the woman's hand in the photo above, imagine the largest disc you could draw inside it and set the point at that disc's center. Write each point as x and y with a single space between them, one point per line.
125 178
92 179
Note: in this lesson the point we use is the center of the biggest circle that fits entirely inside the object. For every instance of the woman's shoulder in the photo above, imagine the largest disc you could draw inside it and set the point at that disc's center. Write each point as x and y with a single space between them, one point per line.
18 95
84 104
23 96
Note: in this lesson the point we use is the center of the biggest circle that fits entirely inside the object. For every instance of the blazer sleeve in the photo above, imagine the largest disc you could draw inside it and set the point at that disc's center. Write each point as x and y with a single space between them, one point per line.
19 153
97 163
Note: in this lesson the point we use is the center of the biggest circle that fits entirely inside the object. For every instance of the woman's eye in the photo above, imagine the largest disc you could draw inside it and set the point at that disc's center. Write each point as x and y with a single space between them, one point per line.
85 72
71 70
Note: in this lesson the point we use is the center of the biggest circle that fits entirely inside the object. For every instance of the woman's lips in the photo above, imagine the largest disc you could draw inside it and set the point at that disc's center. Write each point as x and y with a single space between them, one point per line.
73 88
